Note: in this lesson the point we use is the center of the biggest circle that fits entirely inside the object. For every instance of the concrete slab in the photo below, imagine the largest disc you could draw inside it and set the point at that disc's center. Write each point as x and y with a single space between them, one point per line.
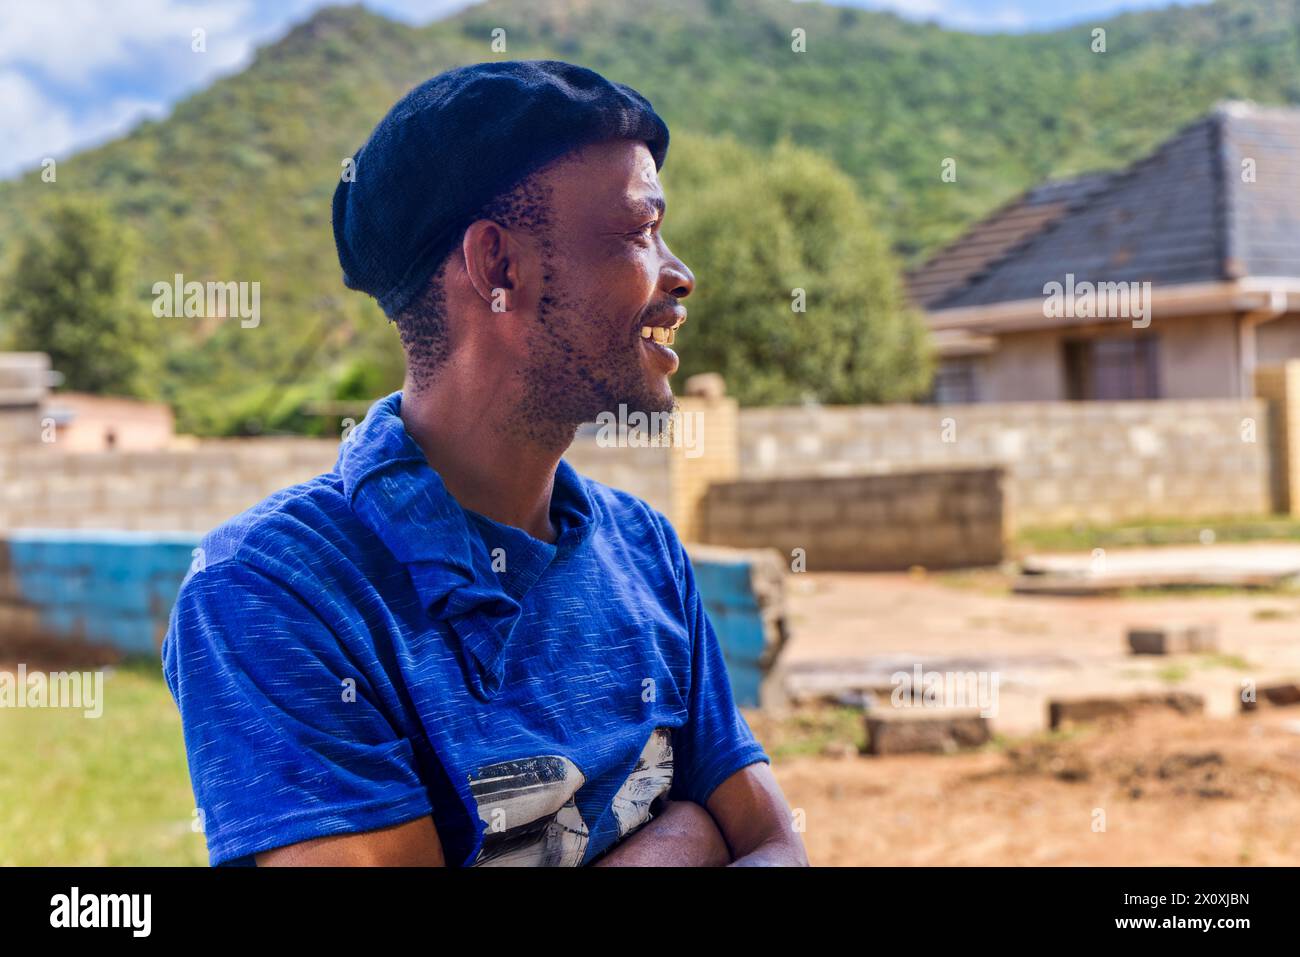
1180 638
919 731
1235 565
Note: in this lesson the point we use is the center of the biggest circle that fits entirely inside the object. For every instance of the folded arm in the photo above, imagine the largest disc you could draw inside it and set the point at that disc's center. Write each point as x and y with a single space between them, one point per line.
755 819
683 834
747 823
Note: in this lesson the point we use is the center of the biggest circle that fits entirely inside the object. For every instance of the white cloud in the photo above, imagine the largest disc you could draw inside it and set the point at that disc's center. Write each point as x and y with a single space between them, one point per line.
952 15
74 73
419 12
34 127
69 42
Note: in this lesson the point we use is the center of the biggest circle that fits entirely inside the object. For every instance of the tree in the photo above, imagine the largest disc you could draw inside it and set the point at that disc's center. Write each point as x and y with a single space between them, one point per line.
756 229
67 296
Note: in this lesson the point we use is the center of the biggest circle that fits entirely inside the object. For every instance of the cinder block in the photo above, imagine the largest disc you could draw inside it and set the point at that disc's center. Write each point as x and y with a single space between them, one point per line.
1173 639
1064 712
819 510
925 732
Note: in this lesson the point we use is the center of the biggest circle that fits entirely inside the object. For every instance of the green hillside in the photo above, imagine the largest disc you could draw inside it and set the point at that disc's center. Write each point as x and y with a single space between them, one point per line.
236 182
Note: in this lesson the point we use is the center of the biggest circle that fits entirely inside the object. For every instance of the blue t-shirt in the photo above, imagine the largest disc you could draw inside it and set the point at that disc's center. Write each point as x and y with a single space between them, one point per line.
358 651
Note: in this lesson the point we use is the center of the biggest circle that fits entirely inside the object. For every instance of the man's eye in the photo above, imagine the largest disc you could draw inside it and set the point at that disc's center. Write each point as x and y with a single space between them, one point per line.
647 229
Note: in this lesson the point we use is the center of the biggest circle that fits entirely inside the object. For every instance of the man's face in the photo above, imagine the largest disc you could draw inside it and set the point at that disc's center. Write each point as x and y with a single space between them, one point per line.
607 275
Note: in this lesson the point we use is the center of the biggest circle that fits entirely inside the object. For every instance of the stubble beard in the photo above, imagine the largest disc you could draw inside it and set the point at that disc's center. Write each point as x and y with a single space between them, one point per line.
584 364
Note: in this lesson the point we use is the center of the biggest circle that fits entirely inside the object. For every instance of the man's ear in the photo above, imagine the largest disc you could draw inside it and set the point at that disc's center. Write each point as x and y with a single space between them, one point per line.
492 263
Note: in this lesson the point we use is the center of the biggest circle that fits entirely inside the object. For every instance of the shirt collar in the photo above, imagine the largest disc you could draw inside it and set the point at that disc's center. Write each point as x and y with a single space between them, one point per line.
451 554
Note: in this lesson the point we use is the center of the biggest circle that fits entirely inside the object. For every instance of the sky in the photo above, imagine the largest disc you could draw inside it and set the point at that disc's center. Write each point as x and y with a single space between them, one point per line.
76 73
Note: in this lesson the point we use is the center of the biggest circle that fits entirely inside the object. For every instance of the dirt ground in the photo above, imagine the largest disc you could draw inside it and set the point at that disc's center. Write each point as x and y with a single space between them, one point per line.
1218 789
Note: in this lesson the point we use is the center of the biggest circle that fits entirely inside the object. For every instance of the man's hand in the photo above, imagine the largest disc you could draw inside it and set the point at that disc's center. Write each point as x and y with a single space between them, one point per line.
682 835
755 819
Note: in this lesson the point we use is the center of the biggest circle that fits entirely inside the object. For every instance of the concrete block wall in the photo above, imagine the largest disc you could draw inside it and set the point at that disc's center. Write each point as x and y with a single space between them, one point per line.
642 471
1279 386
24 383
940 518
114 589
196 488
184 489
1065 461
718 460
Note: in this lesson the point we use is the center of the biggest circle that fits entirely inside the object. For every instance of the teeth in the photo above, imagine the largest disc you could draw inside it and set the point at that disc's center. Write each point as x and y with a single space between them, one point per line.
661 334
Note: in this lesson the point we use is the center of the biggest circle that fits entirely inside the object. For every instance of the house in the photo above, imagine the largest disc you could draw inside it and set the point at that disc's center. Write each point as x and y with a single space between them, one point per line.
101 423
1175 277
32 415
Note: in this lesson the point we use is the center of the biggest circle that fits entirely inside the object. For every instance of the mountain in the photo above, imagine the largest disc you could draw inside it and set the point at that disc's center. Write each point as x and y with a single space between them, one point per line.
236 182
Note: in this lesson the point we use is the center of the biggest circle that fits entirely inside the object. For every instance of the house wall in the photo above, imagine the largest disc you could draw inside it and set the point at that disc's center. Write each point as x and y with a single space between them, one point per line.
1278 340
1025 367
1199 358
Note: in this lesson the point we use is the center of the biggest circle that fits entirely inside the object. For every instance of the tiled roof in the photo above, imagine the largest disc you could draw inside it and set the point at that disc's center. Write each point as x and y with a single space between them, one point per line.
1193 211
985 243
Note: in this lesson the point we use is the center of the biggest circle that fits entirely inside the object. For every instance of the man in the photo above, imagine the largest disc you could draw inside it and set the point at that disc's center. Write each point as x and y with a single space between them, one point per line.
453 649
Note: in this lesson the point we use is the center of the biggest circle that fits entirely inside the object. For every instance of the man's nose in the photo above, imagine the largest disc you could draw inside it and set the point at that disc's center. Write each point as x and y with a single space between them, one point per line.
676 279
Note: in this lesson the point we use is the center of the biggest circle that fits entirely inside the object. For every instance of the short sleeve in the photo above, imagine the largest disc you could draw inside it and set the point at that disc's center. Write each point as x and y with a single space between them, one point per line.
716 741
282 747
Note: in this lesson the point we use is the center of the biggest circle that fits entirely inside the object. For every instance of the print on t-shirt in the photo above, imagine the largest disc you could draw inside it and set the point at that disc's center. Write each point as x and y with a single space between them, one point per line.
531 815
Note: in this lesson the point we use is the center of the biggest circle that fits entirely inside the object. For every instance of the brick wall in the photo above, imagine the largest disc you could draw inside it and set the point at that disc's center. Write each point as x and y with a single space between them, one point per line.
1065 461
941 518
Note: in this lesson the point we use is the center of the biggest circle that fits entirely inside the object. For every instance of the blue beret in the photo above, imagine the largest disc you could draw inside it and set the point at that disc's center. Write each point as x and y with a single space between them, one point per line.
456 142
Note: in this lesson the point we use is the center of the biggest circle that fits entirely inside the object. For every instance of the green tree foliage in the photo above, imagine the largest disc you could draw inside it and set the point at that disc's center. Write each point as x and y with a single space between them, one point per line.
67 295
770 232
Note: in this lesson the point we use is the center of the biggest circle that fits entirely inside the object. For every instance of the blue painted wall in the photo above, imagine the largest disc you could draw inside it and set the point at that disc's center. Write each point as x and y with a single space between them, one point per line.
112 588
733 608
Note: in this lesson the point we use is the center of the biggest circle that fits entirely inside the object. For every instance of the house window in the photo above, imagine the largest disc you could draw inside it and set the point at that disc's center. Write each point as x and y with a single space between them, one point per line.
954 382
1112 369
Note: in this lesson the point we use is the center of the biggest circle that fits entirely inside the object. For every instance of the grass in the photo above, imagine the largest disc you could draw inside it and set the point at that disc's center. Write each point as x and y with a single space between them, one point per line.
1004 742
1085 537
1181 671
1173 674
112 790
809 730
1235 662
